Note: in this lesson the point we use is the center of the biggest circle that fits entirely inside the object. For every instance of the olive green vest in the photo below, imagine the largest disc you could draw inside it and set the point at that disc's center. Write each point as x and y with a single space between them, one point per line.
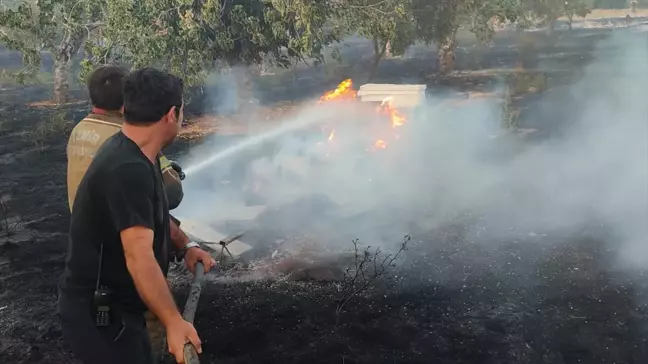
86 138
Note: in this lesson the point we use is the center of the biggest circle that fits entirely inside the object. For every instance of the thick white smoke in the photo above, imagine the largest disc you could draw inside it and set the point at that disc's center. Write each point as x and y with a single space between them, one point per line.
447 164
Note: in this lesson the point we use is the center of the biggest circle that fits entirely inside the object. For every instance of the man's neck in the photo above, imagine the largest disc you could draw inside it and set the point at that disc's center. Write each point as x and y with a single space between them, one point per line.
99 111
145 140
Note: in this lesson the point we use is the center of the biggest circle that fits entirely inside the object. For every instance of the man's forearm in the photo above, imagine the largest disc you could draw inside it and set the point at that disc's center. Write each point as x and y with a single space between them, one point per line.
153 288
178 237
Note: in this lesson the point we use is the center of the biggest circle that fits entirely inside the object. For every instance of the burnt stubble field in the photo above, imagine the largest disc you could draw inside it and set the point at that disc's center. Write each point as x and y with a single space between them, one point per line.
530 297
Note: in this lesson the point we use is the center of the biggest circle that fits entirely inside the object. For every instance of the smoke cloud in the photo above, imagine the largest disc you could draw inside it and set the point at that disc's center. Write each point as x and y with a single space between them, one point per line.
446 165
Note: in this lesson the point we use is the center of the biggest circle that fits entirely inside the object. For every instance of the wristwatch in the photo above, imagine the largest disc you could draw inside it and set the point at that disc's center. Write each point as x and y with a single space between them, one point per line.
191 244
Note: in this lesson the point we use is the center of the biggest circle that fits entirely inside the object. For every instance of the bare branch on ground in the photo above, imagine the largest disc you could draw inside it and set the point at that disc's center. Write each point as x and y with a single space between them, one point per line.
369 266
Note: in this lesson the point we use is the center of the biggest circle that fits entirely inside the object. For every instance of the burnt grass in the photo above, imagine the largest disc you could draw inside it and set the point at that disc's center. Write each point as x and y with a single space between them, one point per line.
552 301
563 310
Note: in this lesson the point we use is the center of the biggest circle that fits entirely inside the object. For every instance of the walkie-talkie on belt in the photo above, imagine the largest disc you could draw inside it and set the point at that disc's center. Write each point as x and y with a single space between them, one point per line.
101 298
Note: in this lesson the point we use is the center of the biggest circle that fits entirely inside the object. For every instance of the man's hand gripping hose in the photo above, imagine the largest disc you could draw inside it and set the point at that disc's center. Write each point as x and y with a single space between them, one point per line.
189 313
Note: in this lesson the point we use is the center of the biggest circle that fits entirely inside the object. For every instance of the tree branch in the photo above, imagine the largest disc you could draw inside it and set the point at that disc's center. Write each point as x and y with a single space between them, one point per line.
361 279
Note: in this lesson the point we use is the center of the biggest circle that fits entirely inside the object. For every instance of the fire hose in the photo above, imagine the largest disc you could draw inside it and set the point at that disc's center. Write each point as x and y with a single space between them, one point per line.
189 313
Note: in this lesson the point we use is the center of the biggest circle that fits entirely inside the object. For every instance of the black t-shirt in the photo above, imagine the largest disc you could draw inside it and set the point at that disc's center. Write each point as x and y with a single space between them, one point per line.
121 189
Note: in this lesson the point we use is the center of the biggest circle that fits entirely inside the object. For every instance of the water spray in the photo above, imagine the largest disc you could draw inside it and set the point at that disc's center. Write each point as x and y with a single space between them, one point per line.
301 122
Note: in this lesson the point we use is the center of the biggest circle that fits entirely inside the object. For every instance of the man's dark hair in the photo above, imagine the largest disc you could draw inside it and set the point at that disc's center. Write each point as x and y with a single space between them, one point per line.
149 94
105 85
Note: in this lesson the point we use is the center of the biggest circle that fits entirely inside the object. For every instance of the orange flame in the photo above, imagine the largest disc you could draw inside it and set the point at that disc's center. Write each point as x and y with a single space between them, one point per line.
386 107
380 144
344 91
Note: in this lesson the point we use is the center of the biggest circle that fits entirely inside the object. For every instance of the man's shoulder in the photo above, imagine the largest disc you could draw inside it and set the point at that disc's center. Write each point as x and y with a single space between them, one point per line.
92 131
117 144
113 169
117 155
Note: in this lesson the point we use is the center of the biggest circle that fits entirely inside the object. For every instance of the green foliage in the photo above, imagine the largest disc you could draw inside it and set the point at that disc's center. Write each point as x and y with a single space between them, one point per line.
300 26
55 26
578 8
148 33
438 20
484 14
195 37
192 38
546 10
85 68
550 10
383 21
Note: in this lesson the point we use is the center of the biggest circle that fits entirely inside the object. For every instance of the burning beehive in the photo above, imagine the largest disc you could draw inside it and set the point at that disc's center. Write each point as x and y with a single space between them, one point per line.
362 137
390 98
402 96
366 129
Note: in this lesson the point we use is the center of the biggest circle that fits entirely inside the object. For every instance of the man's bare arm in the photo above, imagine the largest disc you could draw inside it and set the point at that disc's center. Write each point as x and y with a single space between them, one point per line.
193 255
147 275
178 237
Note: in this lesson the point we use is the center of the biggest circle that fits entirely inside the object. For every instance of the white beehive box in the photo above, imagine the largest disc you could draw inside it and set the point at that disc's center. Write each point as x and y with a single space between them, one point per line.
401 95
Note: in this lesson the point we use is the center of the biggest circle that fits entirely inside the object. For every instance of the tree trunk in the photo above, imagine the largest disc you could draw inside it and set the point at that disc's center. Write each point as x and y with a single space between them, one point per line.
550 27
379 53
63 55
61 84
244 78
388 52
446 51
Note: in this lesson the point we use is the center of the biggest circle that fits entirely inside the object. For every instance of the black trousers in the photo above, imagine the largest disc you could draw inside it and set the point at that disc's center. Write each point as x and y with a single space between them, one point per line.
124 341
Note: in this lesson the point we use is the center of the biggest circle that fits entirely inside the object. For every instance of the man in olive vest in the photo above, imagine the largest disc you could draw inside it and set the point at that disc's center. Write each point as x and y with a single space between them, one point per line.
105 119
106 95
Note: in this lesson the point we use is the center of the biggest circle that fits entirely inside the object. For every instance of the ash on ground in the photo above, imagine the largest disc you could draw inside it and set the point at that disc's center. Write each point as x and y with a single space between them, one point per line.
541 297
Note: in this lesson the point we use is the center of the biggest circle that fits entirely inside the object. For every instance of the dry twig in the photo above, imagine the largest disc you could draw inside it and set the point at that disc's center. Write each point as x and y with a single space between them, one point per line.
368 267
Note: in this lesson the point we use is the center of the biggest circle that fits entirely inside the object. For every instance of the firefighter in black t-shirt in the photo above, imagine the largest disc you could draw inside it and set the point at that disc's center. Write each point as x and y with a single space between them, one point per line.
119 233
105 87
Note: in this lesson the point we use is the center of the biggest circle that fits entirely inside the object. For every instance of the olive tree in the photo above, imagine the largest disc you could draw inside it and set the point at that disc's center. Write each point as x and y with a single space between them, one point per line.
575 8
438 22
58 27
548 11
388 23
193 38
